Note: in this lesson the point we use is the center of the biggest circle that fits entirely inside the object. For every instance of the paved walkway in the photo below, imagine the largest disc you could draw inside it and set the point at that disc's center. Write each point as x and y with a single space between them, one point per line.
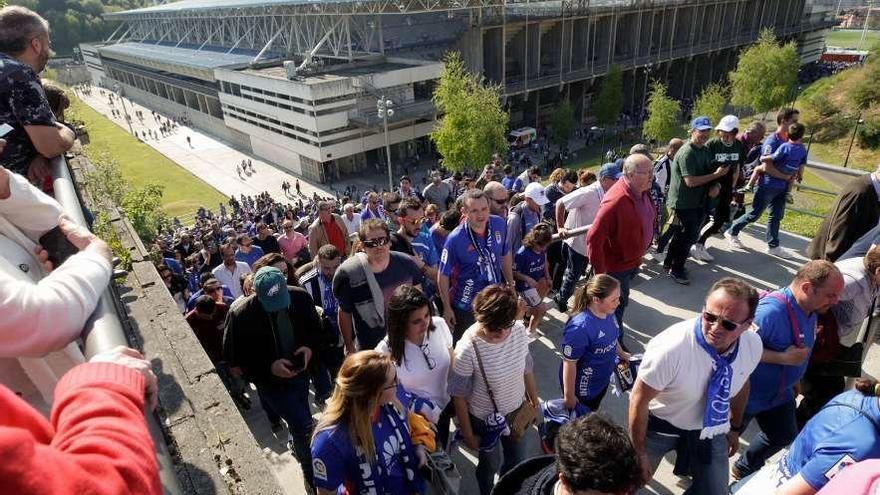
655 302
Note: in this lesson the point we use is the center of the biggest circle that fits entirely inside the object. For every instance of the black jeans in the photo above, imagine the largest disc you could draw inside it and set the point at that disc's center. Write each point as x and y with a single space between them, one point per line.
689 220
720 216
556 264
463 320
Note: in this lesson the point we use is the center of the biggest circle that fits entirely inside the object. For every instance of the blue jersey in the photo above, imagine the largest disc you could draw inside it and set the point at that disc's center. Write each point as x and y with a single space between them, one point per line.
473 262
592 342
250 258
423 245
507 182
772 143
837 436
772 384
787 158
529 263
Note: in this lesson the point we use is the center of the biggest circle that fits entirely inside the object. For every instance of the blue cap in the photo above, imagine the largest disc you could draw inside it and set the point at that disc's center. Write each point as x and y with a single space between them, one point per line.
611 171
701 123
271 288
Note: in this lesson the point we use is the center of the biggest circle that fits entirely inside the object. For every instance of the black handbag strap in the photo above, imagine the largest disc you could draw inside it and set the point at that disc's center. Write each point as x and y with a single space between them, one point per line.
483 372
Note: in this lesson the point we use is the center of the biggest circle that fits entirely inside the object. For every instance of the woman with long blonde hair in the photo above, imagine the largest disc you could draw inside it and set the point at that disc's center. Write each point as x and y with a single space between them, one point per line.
362 440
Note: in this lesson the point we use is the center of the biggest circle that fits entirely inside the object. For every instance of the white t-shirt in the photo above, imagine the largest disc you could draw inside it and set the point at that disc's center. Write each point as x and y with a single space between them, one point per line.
582 205
676 365
414 372
231 279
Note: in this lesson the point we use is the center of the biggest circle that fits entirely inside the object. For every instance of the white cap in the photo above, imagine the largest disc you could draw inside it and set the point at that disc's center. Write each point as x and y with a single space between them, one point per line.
535 191
728 123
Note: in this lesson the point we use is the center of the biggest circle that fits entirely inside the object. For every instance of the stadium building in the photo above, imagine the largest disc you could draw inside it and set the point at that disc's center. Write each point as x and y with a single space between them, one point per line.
296 81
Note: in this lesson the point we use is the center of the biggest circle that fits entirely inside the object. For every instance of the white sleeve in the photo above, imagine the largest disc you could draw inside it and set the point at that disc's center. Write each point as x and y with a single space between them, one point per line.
46 316
29 209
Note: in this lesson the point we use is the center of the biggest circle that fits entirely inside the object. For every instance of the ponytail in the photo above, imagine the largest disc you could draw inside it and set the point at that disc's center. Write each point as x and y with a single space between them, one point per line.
868 387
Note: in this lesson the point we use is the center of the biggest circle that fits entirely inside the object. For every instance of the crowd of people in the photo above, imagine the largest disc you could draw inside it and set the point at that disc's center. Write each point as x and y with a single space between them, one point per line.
410 315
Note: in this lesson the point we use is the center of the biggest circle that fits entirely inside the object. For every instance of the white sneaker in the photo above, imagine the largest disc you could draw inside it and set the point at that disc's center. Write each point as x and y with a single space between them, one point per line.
780 253
733 240
705 253
696 254
660 257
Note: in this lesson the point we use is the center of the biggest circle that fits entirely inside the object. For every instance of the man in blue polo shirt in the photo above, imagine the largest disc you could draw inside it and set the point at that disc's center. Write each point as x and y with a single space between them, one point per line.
786 321
474 256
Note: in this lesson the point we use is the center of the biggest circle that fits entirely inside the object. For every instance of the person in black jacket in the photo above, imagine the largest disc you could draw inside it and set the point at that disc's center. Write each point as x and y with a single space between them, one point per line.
856 211
270 335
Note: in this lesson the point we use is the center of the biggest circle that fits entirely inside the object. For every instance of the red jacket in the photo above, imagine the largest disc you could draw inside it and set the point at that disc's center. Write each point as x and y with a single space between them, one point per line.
97 441
617 239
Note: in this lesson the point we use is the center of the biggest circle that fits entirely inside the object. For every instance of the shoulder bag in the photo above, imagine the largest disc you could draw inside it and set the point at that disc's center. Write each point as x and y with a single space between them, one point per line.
520 419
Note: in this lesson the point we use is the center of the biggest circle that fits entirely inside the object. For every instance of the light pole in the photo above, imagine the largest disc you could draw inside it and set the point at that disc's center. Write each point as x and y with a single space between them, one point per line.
645 98
384 109
859 121
116 88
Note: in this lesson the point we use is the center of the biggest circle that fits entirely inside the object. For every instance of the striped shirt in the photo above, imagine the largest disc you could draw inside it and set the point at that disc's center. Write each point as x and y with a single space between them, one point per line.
505 364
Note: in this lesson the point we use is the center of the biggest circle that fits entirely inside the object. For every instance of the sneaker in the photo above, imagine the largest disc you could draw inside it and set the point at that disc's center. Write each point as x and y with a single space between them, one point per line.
745 190
705 253
789 198
733 240
560 305
679 278
780 252
660 257
695 253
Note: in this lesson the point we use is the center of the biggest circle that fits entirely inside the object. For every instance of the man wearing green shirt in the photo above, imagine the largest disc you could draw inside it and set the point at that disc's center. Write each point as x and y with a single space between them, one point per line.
691 175
726 151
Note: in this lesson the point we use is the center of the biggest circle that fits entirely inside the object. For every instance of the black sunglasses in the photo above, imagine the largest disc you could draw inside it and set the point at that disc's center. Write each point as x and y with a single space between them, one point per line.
728 325
377 242
501 201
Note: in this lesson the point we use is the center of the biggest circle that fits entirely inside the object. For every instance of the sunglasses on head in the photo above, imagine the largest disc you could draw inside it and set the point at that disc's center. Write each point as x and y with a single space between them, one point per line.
712 318
377 242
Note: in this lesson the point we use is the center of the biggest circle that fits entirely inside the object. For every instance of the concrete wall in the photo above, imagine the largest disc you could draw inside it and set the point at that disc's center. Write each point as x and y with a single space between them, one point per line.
269 148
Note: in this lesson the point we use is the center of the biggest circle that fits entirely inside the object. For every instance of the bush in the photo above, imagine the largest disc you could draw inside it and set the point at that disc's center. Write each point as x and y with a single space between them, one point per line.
869 133
867 92
822 105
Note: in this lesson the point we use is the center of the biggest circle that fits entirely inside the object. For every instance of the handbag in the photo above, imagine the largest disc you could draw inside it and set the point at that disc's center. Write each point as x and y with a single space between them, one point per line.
441 475
522 417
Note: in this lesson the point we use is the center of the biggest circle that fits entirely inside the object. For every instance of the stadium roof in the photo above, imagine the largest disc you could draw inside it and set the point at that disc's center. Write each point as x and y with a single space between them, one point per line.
208 58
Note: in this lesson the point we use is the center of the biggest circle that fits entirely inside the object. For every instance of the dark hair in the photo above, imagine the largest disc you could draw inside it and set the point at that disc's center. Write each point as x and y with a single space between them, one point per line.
272 258
450 219
586 177
372 224
328 252
872 260
390 198
508 169
408 203
867 386
495 307
57 98
598 287
241 237
593 453
569 176
796 131
405 178
401 305
786 113
474 194
737 289
540 235
816 272
204 278
205 304
19 25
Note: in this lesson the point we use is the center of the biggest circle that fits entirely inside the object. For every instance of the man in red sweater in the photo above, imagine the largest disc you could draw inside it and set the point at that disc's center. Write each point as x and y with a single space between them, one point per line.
623 228
96 441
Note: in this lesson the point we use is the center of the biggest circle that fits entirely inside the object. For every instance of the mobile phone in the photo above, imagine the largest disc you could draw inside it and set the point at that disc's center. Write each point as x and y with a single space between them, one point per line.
5 129
58 247
298 362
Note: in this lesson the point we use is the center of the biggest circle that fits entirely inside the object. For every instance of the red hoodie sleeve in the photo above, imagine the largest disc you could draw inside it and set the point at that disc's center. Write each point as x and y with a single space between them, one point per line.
97 442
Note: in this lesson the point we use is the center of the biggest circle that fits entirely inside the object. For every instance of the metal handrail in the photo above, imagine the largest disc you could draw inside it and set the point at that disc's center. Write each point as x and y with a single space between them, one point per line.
103 330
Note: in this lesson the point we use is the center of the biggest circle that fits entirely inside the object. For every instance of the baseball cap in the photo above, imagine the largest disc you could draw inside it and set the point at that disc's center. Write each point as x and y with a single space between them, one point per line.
271 288
535 191
610 171
701 123
641 149
728 123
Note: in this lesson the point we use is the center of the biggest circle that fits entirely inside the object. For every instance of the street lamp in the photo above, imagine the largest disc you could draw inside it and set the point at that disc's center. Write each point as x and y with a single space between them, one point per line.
645 97
859 122
384 110
116 89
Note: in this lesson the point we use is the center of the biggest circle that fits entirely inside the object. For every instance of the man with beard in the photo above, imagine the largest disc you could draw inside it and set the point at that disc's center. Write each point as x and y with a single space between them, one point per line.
35 134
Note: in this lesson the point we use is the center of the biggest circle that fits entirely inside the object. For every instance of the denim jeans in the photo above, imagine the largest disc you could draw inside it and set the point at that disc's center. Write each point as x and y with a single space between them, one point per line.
489 462
290 399
764 197
625 278
689 220
709 474
778 429
574 269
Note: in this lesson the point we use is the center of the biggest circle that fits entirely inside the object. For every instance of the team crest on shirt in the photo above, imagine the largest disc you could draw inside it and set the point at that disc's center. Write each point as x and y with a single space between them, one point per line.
320 469
566 351
498 237
838 466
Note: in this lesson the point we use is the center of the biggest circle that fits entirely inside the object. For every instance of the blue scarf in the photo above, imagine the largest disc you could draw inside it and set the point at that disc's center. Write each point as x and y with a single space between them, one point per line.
377 477
716 415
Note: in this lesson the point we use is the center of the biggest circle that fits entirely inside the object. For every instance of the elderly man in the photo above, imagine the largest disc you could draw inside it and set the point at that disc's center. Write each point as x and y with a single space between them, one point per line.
786 322
291 242
328 228
374 208
351 220
856 211
498 198
229 272
692 387
524 216
581 207
438 193
688 192
24 51
623 228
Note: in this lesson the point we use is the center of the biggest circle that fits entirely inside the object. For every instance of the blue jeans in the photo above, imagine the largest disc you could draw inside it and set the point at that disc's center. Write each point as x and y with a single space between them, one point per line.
575 266
290 399
709 474
764 197
778 429
625 278
489 463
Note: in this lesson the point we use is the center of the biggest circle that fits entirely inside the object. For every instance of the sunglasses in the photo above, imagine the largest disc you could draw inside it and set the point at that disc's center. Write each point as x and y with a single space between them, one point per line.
728 325
500 201
393 384
377 242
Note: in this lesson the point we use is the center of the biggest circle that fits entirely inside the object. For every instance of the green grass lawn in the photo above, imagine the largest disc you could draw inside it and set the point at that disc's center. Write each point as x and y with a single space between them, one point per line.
141 165
849 38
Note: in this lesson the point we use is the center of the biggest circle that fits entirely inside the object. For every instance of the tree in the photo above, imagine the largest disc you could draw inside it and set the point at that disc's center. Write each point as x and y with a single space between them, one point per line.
711 102
473 125
610 97
765 74
562 123
664 115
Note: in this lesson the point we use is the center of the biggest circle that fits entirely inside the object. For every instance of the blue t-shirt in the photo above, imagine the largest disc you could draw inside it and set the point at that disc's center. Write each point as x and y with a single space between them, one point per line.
468 270
592 342
250 258
529 263
834 438
772 143
423 245
337 465
787 158
771 384
439 239
508 182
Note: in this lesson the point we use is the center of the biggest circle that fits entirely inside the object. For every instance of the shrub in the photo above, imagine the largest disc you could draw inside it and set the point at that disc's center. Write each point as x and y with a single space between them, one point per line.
869 133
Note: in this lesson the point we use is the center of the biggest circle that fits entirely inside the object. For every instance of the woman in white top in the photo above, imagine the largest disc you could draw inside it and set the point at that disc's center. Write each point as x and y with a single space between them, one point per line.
498 344
420 346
